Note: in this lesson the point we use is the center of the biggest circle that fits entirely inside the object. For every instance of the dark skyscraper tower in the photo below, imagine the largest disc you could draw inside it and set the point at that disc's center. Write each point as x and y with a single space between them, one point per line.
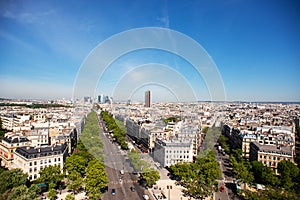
147 99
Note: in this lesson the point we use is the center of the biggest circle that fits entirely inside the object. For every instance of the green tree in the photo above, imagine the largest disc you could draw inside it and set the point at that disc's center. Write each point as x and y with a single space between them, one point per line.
150 176
50 175
117 128
199 177
52 194
288 171
263 174
90 138
76 163
22 193
12 178
74 181
96 179
83 152
136 162
223 141
70 197
242 171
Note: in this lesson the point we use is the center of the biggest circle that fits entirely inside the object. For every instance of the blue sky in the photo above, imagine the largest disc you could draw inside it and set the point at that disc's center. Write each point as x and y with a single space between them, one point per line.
254 44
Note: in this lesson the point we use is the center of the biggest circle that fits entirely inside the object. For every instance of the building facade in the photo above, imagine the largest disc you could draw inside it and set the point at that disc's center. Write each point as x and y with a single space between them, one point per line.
9 144
147 99
32 160
170 152
270 155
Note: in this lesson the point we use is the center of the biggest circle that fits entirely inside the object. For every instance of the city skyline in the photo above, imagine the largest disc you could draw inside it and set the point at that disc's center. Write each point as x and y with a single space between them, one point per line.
255 46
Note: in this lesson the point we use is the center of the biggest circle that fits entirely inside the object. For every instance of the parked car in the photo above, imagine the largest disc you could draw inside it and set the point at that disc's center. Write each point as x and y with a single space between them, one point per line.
113 191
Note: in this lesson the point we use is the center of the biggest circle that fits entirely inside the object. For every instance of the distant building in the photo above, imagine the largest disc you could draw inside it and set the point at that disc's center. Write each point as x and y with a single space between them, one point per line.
38 136
99 99
31 160
147 99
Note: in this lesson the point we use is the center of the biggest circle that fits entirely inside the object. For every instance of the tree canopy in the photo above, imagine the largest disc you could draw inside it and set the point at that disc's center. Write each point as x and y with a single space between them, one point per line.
90 137
150 176
200 177
22 193
288 171
96 179
74 181
119 131
75 163
51 175
12 178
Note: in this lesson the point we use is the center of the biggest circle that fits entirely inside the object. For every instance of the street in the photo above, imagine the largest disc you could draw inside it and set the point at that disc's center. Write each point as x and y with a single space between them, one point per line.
115 161
226 179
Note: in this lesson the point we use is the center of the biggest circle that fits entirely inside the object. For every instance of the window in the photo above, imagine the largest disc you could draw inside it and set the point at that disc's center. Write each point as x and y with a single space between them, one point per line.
30 170
41 162
58 159
30 177
54 159
34 162
30 164
35 176
35 169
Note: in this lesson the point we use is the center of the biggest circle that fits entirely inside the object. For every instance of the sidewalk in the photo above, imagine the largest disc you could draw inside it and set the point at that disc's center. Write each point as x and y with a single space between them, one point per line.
79 196
163 184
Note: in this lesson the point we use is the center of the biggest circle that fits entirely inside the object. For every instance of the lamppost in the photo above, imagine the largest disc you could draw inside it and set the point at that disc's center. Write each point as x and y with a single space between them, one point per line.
169 187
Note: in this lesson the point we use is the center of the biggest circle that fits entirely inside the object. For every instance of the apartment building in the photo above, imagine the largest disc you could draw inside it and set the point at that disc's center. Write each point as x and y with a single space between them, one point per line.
170 152
9 144
39 136
266 135
270 155
33 159
192 133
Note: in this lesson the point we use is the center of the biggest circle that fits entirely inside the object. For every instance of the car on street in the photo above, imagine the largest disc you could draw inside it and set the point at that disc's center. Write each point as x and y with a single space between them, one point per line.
132 189
222 188
113 191
145 196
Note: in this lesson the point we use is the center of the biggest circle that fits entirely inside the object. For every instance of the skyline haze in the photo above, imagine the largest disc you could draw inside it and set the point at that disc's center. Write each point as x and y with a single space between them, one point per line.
255 46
